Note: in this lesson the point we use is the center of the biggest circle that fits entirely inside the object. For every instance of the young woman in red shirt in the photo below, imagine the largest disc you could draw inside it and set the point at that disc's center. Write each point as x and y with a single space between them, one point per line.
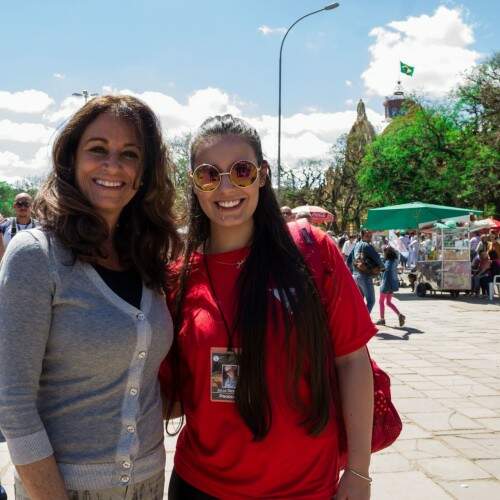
246 306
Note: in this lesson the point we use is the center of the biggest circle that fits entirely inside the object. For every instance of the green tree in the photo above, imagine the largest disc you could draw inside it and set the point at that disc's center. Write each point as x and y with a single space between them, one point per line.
179 149
342 193
7 195
304 184
430 155
479 97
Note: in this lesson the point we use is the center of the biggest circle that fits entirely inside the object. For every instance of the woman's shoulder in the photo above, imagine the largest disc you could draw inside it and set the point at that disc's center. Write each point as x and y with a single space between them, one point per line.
28 242
27 258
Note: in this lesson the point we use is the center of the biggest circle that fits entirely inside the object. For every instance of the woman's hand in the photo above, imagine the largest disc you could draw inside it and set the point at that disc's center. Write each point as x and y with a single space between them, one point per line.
352 488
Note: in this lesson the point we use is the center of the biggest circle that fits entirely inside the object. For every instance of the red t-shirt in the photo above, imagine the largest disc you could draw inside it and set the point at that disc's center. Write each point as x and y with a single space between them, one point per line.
215 451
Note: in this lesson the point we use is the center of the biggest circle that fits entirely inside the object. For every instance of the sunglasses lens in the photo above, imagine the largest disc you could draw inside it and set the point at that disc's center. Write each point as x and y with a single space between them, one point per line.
206 177
243 173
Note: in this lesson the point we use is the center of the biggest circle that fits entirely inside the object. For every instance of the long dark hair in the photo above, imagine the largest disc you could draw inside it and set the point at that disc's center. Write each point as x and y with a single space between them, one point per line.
273 258
390 253
146 235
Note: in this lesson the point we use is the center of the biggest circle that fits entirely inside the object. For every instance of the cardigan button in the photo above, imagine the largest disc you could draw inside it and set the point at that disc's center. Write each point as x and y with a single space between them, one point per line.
140 316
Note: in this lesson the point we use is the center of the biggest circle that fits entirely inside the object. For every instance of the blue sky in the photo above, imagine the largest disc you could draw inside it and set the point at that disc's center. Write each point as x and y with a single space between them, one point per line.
214 53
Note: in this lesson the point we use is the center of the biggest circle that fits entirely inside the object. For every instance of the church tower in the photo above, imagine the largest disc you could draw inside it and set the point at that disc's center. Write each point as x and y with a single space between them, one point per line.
394 104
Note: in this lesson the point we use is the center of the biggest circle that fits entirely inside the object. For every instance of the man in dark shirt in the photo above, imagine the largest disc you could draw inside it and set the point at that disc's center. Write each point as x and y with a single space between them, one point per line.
363 279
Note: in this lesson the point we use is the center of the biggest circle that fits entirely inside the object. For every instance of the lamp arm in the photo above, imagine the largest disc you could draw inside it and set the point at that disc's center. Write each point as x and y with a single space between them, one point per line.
297 21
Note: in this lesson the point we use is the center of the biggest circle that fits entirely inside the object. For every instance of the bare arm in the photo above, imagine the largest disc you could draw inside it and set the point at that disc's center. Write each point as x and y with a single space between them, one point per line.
2 247
42 480
356 390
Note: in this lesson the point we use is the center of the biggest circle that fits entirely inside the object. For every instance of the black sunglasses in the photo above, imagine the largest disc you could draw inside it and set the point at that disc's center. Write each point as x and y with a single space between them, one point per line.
22 204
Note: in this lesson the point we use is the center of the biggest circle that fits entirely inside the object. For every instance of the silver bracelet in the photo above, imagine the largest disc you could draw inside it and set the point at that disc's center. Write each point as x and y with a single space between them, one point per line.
366 478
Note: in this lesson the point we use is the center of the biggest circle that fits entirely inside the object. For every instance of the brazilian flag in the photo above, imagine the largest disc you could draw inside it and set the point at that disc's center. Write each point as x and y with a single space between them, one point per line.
406 69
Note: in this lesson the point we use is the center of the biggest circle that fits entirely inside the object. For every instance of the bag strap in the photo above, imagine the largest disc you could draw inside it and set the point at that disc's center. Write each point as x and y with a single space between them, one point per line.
306 242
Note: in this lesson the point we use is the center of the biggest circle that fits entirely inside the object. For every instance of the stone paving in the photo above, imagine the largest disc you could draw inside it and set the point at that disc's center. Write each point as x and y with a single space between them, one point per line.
445 370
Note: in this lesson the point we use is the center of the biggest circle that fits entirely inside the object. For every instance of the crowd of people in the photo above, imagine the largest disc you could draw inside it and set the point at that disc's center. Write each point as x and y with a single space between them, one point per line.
485 261
366 263
402 254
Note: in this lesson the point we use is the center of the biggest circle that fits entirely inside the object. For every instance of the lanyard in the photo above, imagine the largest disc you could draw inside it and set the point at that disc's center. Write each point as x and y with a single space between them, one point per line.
217 301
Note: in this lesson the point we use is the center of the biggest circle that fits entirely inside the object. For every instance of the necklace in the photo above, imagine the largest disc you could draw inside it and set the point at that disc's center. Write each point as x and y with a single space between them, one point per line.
236 264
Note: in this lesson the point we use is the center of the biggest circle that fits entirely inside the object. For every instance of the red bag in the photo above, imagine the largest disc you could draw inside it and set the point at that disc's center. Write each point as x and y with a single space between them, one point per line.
387 424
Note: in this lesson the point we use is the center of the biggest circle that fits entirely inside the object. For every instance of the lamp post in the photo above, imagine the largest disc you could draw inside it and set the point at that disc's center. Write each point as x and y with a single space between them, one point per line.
85 94
328 7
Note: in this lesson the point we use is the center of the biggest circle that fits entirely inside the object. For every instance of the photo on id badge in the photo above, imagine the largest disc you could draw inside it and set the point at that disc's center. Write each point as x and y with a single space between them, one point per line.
224 374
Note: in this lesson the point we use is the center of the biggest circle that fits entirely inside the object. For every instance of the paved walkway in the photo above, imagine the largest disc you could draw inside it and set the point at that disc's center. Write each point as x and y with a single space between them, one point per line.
445 368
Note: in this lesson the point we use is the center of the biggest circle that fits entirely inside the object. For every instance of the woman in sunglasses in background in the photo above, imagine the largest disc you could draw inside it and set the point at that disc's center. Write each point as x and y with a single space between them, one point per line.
245 303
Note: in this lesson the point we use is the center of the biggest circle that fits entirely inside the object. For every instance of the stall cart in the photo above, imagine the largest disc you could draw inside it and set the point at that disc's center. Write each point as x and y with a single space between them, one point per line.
445 266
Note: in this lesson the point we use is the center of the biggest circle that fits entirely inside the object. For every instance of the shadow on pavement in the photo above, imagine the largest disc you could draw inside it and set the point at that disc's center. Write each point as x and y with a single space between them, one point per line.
406 336
464 299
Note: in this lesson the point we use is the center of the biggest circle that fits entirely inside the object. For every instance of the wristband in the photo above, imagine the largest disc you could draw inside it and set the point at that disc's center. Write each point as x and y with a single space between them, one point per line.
366 478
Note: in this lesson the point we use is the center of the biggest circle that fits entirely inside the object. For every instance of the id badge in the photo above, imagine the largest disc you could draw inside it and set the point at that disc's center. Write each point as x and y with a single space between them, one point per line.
224 373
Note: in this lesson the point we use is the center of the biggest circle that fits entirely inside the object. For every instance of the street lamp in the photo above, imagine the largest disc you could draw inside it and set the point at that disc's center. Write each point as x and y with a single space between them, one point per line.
85 94
328 7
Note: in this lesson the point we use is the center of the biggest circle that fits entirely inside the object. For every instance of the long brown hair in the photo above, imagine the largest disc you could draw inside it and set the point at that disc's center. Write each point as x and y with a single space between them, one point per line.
145 237
274 258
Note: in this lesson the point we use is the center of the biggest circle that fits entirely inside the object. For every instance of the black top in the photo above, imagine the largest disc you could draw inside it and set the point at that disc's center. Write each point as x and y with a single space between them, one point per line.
126 284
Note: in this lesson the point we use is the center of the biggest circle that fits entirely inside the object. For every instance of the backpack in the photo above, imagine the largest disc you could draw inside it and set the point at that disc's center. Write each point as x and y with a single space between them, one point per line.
365 264
387 424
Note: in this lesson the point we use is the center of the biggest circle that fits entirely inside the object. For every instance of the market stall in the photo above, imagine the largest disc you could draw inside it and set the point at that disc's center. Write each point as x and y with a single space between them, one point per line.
444 265
410 215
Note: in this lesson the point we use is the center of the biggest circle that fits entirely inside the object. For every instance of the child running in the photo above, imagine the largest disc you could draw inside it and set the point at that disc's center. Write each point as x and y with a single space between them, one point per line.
388 285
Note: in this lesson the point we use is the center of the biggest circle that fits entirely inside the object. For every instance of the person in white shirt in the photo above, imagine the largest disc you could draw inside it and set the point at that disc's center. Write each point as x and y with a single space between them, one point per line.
348 246
413 251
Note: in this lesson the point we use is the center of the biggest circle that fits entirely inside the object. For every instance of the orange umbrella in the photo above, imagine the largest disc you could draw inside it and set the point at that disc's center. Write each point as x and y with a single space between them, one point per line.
318 215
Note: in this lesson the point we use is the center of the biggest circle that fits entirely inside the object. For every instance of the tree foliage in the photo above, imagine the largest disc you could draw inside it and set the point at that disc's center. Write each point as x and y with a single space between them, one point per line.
444 154
179 149
304 184
330 183
8 192
7 195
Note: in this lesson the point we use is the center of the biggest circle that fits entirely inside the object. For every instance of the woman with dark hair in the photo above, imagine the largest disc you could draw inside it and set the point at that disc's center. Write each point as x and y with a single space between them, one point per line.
83 320
389 284
246 299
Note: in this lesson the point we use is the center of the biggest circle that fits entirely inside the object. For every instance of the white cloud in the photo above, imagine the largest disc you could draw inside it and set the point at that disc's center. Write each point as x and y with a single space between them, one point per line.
14 168
25 132
59 76
26 101
67 108
437 46
309 134
348 83
266 30
178 118
349 102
